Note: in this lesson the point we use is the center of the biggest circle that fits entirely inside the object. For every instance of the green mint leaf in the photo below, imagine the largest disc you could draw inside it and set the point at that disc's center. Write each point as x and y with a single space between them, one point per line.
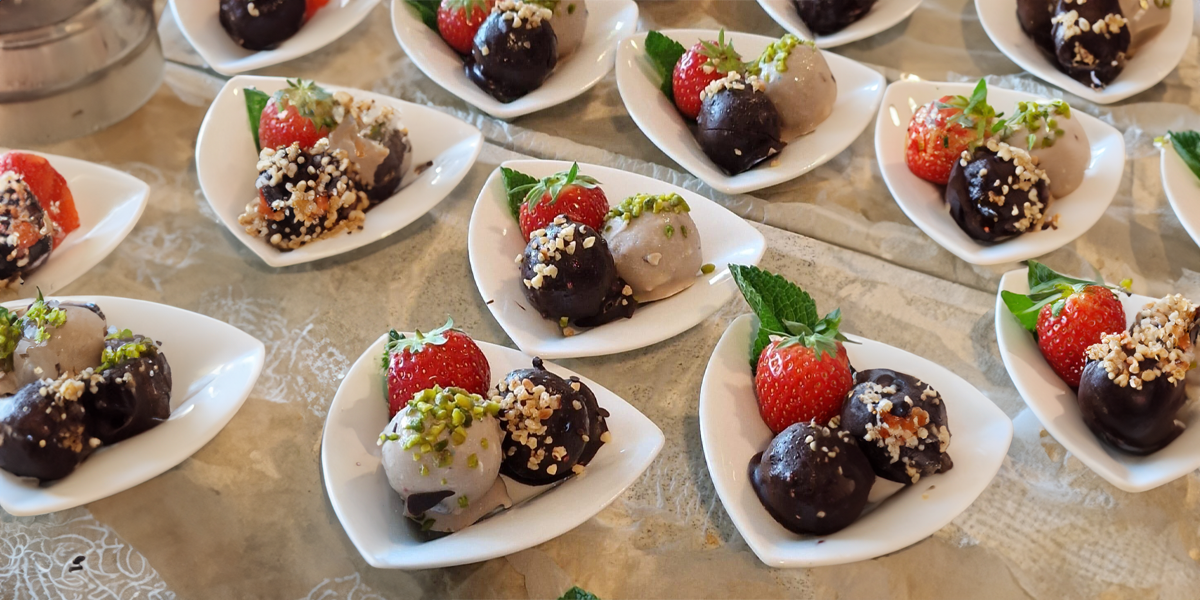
663 53
516 185
775 301
256 101
1187 146
1021 307
426 10
578 593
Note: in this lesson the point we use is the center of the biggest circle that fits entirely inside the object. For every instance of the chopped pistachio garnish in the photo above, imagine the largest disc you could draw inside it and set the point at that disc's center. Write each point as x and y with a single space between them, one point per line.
10 333
633 206
42 316
472 461
424 470
669 231
463 502
708 268
776 53
1034 116
483 443
125 352
438 419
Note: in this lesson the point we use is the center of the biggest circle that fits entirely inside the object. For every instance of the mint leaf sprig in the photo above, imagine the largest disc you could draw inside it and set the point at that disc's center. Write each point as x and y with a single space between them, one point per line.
256 102
1047 286
785 310
578 593
426 10
516 186
1187 146
664 53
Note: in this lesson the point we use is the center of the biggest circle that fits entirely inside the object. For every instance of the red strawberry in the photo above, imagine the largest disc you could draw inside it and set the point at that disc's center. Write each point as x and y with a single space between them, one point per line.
458 20
704 63
804 376
1078 319
566 193
50 188
312 6
941 131
445 356
301 112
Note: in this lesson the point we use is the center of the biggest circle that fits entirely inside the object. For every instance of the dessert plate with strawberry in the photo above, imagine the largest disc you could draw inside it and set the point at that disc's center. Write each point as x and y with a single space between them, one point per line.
1136 429
441 451
512 58
581 260
1141 43
303 197
827 448
232 39
740 111
69 215
831 24
995 175
1180 169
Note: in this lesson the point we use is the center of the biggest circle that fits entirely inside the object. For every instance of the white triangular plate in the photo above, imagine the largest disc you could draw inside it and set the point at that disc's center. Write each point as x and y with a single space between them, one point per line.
198 20
373 514
925 204
109 202
732 432
494 239
859 91
608 21
1183 191
225 165
1056 407
1149 65
883 16
213 368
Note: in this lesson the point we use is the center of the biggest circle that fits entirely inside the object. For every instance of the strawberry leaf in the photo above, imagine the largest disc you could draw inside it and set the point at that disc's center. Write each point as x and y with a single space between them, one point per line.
426 10
256 101
416 343
664 53
777 302
1187 146
516 186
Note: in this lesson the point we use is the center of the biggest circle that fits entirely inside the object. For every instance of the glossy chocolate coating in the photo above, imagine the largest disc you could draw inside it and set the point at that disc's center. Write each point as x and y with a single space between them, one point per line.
830 16
926 458
968 190
119 409
290 227
27 420
16 209
517 60
738 129
1035 16
809 491
1136 421
277 21
584 287
390 172
1107 51
566 428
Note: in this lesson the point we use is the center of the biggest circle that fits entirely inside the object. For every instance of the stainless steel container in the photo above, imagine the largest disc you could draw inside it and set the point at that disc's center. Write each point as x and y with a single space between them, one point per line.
72 67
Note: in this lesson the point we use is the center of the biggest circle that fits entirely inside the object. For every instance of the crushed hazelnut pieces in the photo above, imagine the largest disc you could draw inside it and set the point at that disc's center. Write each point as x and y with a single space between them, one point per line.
1158 344
894 432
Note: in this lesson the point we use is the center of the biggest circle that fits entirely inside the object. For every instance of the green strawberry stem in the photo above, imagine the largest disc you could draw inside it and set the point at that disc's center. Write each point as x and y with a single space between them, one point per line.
555 183
398 342
1047 286
976 113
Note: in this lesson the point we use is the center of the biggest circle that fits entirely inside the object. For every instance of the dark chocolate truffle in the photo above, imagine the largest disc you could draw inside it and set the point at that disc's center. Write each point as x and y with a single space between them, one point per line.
824 17
738 126
900 424
1136 411
552 426
989 200
1034 16
43 431
812 479
261 24
514 50
569 273
135 394
1091 40
21 215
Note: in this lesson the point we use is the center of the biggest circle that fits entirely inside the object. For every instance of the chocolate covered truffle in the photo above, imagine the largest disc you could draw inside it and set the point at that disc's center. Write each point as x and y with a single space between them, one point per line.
43 429
812 478
899 423
133 393
824 17
1133 386
261 24
514 51
26 231
738 126
1091 40
552 426
997 192
1035 16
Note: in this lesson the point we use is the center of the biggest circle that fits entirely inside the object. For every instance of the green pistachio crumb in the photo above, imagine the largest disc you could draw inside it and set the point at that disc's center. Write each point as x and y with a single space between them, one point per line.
472 461
444 482
669 231
708 268
463 502
424 470
683 230
483 443
427 524
633 206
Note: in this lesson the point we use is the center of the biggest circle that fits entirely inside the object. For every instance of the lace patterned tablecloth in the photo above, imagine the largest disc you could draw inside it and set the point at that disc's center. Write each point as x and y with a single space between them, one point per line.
247 516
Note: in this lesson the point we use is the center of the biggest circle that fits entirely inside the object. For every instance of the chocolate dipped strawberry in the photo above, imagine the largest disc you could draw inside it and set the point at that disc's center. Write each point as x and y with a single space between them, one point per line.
514 50
738 126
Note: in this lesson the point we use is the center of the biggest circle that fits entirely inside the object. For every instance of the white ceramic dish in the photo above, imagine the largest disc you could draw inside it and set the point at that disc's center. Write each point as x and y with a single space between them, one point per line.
1056 407
883 16
494 239
213 368
732 432
859 91
608 21
198 20
925 204
373 515
109 202
1183 191
1152 62
225 165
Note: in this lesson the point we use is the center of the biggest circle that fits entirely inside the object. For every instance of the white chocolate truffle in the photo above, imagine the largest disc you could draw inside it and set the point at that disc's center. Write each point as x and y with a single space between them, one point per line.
71 347
799 84
425 454
655 244
1146 20
569 23
1058 142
